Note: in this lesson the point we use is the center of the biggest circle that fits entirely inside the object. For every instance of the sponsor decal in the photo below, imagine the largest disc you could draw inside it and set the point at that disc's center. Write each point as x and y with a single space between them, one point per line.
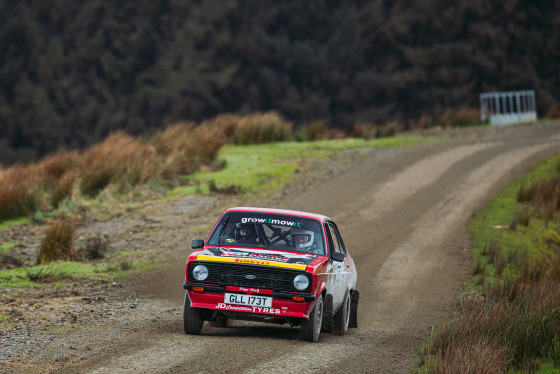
271 221
259 256
250 309
203 257
248 290
249 261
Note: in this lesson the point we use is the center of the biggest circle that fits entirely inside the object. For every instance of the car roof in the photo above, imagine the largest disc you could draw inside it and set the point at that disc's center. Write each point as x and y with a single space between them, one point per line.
280 211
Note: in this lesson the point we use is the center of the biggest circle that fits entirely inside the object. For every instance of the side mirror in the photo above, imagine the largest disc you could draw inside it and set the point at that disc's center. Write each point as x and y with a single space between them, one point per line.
197 243
338 256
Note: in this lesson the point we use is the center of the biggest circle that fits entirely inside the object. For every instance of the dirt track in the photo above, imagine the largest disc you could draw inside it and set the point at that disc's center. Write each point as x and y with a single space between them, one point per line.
403 215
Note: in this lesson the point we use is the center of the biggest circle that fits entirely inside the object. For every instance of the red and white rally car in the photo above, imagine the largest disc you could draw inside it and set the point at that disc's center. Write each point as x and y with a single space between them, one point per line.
272 265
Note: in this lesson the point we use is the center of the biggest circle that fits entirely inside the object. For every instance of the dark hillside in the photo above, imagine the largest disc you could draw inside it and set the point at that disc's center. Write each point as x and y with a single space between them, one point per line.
72 72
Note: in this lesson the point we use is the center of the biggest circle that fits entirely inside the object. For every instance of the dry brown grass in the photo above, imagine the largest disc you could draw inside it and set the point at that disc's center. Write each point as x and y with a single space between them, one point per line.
118 159
543 194
57 165
484 357
516 323
58 242
124 162
18 191
314 131
553 112
183 148
370 131
261 128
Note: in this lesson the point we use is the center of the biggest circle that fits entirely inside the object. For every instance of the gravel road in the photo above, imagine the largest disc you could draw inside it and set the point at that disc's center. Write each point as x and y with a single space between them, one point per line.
403 214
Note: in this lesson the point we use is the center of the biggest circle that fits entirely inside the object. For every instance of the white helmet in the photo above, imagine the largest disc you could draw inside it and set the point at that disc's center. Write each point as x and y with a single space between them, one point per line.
303 244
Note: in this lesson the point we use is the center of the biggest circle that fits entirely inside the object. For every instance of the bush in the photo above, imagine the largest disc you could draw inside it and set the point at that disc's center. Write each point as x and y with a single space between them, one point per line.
183 149
119 158
18 196
314 131
58 242
363 130
553 112
262 128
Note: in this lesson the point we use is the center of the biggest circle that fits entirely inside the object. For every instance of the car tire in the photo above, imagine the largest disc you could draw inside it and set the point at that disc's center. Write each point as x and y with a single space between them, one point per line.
192 317
354 309
328 314
311 327
342 316
219 321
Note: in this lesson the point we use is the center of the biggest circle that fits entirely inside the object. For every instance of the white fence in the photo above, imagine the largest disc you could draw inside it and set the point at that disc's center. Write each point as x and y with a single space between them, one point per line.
505 108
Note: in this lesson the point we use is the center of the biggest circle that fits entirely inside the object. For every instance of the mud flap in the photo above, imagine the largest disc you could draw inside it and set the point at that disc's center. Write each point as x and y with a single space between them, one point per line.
328 317
354 299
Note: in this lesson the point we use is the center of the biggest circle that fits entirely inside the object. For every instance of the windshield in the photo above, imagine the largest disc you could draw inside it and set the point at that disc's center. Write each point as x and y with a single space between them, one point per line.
261 230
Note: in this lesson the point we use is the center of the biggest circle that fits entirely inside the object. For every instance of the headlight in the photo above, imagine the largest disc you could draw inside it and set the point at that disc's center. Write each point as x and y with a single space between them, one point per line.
301 282
200 272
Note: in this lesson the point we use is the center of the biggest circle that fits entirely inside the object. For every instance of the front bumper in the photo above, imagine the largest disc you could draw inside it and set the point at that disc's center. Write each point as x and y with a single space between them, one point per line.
283 305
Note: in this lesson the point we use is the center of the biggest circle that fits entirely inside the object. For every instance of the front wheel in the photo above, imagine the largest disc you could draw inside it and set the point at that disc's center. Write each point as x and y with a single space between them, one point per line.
311 328
192 317
342 317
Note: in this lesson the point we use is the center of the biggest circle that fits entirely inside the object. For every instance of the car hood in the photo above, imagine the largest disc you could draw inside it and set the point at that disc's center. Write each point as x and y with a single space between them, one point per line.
246 256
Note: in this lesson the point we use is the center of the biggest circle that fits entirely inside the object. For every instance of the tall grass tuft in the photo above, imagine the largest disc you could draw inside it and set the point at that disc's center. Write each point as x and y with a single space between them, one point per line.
58 242
125 162
482 357
183 148
119 158
314 131
518 323
63 188
544 194
262 128
18 195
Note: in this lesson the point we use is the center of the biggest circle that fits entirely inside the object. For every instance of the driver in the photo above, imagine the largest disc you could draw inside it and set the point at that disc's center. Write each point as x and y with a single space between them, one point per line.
303 240
245 233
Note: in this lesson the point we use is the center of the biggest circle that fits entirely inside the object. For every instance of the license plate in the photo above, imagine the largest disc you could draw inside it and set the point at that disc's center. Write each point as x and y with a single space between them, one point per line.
250 300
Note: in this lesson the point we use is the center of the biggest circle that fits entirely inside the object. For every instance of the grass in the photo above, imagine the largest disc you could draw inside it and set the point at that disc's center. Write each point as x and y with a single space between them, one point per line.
63 329
4 321
59 273
508 317
492 223
6 247
58 242
46 274
14 222
262 168
122 165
